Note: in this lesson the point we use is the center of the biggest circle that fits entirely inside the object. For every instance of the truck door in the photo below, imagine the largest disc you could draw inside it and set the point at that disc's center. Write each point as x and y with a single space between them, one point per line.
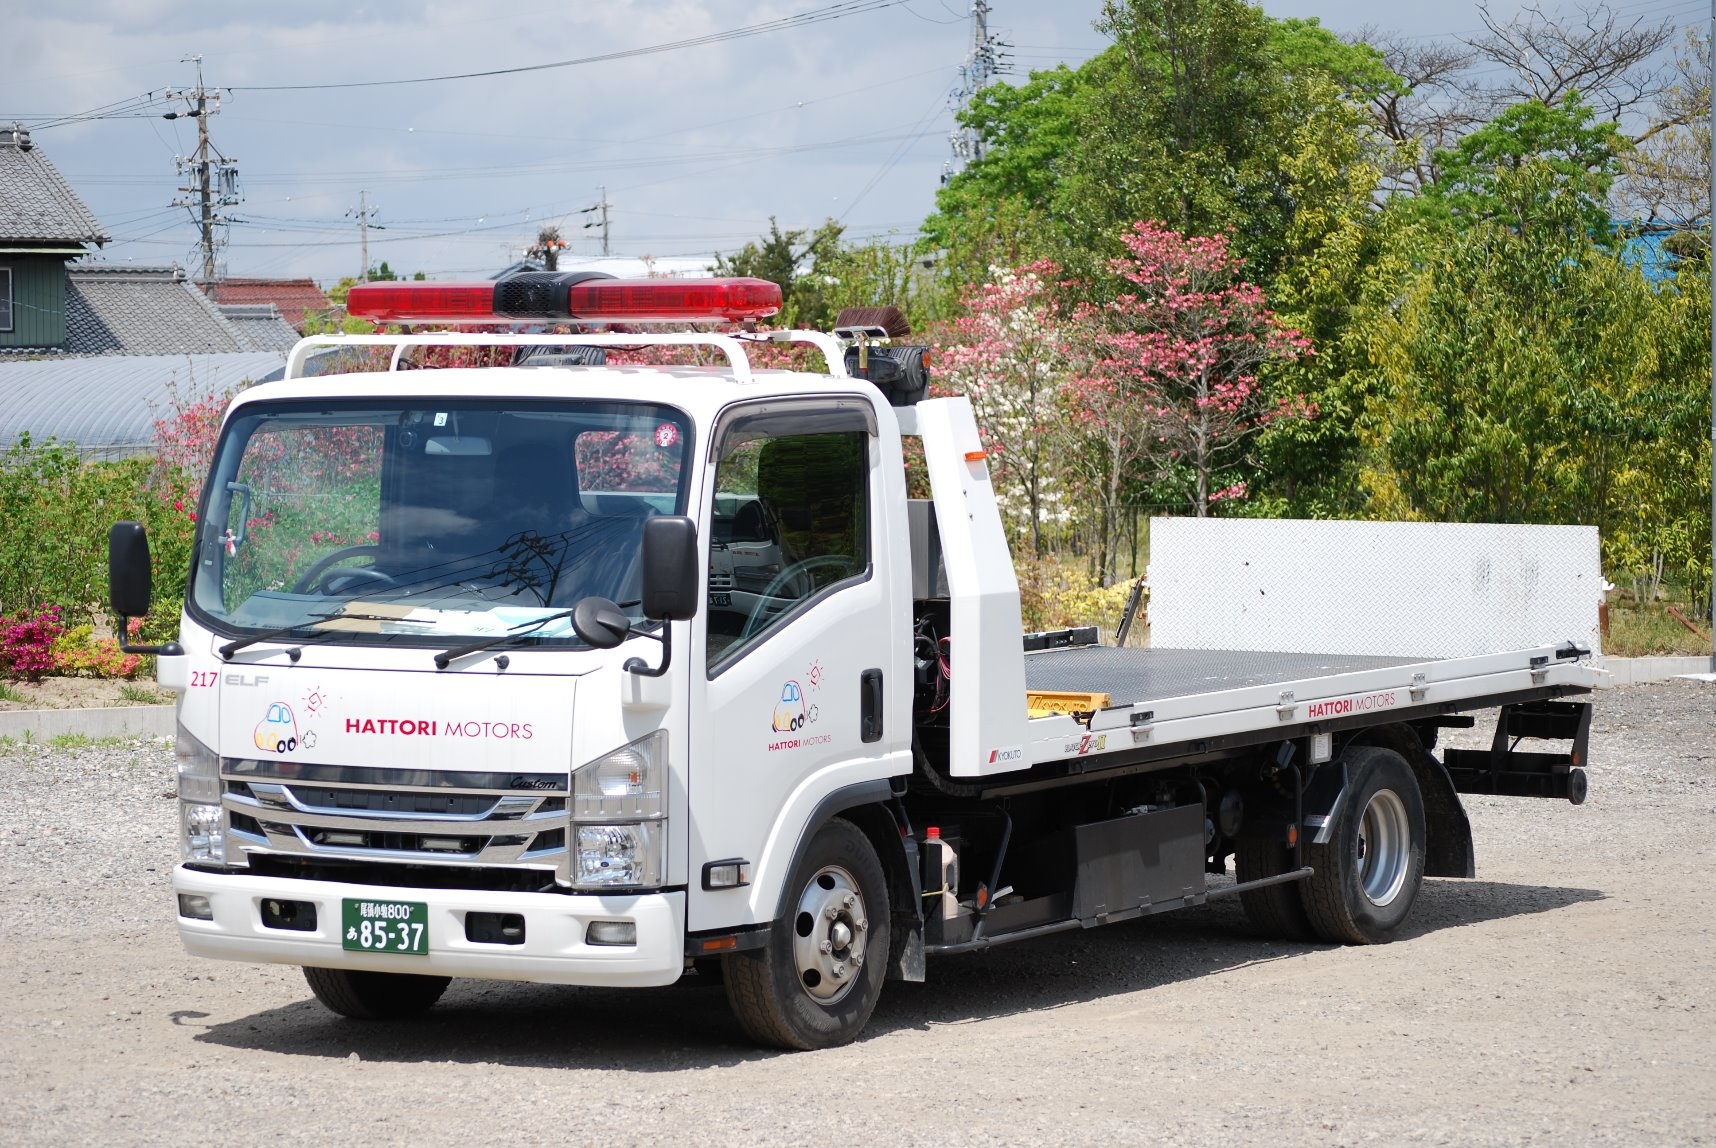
800 622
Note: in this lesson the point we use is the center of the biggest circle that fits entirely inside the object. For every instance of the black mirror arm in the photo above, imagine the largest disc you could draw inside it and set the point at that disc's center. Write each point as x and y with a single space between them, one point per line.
638 665
170 650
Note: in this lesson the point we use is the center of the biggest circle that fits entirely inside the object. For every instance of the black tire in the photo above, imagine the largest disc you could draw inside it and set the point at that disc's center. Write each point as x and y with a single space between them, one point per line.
1369 873
1276 911
375 996
780 993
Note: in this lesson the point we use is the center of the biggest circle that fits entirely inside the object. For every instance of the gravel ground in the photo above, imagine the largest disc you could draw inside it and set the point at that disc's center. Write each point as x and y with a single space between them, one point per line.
1567 996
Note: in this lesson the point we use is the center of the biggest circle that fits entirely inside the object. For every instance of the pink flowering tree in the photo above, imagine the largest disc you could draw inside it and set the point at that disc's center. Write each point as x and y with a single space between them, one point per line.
1178 355
1009 354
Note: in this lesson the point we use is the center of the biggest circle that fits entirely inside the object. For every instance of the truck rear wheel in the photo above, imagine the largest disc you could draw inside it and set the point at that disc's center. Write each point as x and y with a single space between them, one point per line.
374 996
815 984
1368 874
1276 911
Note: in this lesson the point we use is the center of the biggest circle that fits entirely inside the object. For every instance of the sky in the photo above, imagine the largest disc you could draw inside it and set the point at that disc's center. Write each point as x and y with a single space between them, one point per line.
696 147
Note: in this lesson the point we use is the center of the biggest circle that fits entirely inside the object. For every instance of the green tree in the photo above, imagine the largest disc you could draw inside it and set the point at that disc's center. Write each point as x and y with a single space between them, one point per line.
798 261
1532 375
1183 120
1576 158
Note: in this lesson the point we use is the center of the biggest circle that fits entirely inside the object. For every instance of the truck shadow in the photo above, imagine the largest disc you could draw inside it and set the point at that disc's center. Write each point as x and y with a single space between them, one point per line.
688 1025
1077 967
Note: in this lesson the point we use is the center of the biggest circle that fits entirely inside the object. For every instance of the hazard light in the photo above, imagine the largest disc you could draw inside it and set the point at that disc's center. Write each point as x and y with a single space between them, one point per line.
575 297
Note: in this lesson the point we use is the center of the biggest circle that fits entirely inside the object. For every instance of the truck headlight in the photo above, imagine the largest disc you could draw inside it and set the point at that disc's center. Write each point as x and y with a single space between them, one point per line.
619 817
202 822
618 856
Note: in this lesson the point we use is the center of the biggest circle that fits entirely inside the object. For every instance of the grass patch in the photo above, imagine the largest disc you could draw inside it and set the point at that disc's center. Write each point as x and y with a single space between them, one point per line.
84 741
139 695
1651 631
8 694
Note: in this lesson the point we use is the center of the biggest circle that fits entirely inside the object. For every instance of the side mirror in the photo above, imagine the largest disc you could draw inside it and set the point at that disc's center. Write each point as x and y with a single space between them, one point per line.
599 623
128 576
129 583
670 568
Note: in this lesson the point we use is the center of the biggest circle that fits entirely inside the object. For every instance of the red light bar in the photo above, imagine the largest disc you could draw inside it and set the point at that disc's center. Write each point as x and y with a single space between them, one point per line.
547 297
445 302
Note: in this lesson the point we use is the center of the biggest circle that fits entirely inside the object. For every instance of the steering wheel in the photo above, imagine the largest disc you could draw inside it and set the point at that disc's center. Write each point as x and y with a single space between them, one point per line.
761 615
319 577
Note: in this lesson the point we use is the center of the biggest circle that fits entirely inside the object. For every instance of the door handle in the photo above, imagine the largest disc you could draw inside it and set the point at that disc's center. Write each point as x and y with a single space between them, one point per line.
870 705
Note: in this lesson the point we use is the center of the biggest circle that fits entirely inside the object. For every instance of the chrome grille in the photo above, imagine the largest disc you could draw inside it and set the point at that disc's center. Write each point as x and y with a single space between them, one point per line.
407 816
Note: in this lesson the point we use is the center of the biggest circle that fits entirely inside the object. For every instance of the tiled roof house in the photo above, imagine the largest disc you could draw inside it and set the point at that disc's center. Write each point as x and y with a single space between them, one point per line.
42 225
88 352
293 298
50 308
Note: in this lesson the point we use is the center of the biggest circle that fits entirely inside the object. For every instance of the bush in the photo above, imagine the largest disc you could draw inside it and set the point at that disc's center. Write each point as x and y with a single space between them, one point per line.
57 512
78 653
1053 597
27 643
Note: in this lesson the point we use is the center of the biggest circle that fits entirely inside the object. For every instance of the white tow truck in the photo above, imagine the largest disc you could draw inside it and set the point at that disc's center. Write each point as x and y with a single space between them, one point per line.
596 674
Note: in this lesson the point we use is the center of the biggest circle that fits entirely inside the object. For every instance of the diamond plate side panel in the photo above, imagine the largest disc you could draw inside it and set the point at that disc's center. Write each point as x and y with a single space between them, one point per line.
1410 589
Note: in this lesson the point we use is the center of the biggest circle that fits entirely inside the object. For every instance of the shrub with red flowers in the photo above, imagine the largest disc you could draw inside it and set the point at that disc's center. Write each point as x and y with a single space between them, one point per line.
27 643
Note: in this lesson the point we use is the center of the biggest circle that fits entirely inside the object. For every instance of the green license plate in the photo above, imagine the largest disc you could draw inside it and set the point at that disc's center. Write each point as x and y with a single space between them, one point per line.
384 926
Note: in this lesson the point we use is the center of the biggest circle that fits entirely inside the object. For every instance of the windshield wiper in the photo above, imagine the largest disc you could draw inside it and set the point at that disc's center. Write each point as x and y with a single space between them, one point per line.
237 644
445 657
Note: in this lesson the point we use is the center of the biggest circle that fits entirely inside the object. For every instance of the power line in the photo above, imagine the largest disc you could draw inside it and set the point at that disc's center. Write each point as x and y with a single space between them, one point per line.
800 20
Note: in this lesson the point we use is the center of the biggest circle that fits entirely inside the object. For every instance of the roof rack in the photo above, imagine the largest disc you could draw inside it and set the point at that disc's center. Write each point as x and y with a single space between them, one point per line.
731 345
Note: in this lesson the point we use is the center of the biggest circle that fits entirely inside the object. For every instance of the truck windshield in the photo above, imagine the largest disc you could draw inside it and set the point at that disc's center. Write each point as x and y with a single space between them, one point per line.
432 519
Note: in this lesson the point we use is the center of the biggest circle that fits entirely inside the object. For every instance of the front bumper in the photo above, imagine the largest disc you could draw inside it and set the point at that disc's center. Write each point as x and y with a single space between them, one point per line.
553 951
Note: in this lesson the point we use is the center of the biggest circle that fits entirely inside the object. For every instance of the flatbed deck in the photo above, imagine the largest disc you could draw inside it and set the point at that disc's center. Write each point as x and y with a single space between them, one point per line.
1132 675
1160 698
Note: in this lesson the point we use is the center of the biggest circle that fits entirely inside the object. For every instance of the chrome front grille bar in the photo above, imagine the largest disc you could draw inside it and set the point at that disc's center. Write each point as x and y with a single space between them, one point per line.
486 826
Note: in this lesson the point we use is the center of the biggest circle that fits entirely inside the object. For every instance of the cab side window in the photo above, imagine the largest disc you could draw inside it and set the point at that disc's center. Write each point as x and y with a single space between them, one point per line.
791 521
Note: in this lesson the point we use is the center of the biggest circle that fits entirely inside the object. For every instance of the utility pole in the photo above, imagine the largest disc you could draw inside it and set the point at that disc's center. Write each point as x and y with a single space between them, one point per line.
983 61
365 209
213 177
602 206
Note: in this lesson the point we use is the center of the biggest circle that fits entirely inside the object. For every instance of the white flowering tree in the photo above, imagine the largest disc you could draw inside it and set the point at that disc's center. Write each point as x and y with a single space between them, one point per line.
1009 355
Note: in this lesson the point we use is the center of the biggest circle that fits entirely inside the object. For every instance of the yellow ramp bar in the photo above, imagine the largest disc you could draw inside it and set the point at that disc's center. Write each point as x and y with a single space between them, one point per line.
1042 703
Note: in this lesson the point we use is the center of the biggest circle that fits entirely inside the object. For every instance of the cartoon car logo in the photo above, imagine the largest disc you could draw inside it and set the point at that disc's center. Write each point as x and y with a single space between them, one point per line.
277 731
789 711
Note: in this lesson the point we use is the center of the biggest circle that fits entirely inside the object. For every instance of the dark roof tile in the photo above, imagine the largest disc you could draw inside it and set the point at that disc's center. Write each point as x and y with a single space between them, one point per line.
118 310
260 326
36 203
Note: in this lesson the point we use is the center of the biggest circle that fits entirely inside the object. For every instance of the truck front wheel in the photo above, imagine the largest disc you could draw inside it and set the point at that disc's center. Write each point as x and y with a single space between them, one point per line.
374 996
815 984
1368 874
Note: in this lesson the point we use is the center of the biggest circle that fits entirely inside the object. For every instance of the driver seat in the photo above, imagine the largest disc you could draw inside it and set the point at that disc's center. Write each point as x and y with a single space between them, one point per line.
814 486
